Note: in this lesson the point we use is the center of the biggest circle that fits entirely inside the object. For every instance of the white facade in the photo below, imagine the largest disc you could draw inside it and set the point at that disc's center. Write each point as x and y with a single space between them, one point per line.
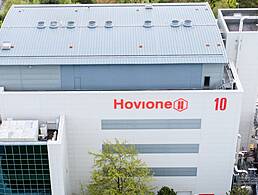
84 111
241 47
58 161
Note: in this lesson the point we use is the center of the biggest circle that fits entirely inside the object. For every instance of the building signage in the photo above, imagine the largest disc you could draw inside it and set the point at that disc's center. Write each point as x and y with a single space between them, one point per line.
179 105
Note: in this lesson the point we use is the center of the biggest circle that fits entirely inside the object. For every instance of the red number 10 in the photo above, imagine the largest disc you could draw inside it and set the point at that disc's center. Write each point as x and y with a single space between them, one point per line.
221 104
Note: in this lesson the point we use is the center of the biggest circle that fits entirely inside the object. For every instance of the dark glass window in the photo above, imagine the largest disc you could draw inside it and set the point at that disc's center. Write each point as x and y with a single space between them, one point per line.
24 169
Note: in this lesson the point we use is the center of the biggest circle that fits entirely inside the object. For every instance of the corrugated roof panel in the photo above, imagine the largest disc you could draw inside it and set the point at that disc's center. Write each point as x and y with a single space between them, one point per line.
156 41
28 16
108 60
127 42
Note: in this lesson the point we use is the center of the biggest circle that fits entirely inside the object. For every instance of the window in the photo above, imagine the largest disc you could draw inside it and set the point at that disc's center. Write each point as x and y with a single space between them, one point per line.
127 124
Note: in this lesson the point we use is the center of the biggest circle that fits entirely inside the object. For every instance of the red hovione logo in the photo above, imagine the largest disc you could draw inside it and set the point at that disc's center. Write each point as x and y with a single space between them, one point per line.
179 105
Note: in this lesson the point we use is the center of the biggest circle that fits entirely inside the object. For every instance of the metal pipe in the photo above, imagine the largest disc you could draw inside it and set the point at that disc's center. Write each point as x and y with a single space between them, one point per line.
240 171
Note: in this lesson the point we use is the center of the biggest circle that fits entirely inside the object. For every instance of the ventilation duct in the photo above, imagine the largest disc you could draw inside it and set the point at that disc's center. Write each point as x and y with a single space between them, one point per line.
41 25
187 23
92 24
70 24
53 24
108 24
175 23
147 24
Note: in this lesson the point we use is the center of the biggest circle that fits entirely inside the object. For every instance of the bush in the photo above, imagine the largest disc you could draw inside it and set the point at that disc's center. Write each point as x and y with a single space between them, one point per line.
236 190
166 191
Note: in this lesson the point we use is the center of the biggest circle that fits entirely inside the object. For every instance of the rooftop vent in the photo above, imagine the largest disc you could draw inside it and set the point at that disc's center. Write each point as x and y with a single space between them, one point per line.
41 25
187 23
175 23
148 6
92 24
6 45
53 24
108 24
70 24
147 24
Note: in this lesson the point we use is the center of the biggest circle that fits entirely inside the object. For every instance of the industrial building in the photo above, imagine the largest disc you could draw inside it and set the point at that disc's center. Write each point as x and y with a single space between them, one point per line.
157 76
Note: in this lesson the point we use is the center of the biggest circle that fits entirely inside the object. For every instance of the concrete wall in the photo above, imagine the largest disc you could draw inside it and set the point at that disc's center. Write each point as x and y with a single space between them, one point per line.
84 111
58 161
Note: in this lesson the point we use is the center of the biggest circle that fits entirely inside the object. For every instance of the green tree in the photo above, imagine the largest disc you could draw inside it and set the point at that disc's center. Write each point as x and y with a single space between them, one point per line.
223 4
215 4
248 3
6 6
166 191
118 171
238 191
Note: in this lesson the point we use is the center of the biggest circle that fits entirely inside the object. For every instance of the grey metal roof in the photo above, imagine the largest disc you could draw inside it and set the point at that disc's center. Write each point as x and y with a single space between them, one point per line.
128 42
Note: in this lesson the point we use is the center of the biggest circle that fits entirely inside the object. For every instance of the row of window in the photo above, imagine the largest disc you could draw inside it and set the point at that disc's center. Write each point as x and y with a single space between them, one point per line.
163 148
127 124
174 171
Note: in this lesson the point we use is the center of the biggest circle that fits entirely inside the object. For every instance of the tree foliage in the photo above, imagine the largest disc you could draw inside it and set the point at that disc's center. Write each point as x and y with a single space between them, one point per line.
8 3
6 6
223 4
166 191
238 191
118 171
214 4
248 3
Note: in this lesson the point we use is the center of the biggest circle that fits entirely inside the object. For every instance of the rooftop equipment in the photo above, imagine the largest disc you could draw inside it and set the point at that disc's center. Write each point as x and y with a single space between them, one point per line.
147 24
6 45
175 23
70 24
53 24
187 23
92 24
148 6
108 24
41 25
